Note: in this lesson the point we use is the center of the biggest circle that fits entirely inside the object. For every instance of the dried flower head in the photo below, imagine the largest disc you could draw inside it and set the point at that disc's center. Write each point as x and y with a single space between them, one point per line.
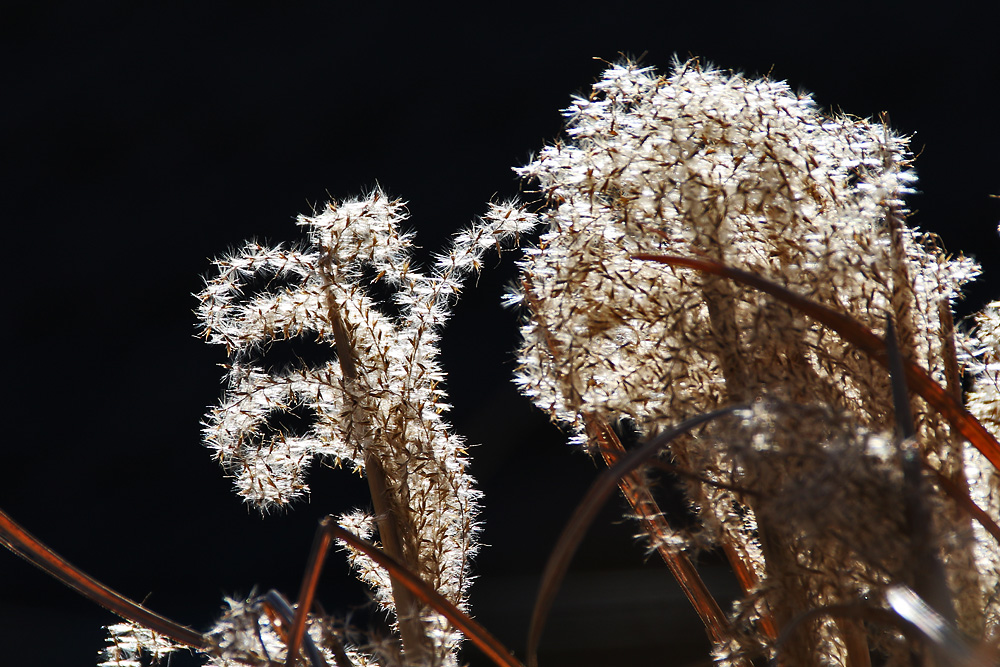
750 174
984 481
375 403
128 643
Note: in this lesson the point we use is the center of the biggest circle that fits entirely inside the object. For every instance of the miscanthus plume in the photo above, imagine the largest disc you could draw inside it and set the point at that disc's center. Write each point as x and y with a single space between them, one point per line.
804 490
375 406
858 514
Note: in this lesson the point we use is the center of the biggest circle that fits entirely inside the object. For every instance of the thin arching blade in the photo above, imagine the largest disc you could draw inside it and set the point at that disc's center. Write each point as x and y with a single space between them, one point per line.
475 632
575 529
947 642
25 545
861 337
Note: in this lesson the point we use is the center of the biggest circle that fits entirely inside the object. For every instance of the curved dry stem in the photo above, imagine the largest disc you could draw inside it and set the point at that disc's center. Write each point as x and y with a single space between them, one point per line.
416 644
861 337
602 489
476 633
682 472
913 617
651 517
945 640
307 593
30 548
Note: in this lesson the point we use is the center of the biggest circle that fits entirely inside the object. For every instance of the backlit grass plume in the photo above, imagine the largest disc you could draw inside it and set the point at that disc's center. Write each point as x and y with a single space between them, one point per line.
376 406
805 492
726 271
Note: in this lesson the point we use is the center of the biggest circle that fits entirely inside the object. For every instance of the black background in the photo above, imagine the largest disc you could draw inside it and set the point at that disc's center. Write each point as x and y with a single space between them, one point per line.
138 141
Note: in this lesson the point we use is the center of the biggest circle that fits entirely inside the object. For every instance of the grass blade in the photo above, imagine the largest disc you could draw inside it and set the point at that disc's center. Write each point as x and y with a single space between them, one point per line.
652 519
861 337
601 489
25 545
476 633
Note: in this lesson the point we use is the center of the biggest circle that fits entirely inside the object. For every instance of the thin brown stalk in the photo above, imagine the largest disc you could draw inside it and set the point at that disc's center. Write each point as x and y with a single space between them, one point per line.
960 495
307 593
587 509
277 609
861 337
384 501
747 576
476 633
952 371
855 637
929 577
656 526
25 545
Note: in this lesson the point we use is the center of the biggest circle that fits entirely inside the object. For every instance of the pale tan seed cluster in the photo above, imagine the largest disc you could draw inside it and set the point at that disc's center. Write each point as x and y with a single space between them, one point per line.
984 480
376 406
129 643
705 163
830 519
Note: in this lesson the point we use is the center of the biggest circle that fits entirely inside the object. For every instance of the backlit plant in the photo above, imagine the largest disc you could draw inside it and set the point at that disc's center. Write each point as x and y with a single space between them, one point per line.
723 269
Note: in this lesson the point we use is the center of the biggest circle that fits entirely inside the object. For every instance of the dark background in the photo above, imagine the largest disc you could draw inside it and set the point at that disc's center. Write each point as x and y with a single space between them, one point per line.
138 141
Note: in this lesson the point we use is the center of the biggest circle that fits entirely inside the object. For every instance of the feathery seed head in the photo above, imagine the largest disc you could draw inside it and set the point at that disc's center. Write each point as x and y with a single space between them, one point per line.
129 643
749 174
373 400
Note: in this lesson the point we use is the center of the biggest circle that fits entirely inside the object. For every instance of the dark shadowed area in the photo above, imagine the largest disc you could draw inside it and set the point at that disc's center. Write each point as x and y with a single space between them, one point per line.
140 140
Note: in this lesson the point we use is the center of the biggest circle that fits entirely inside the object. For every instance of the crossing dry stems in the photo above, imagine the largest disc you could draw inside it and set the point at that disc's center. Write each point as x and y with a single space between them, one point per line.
722 268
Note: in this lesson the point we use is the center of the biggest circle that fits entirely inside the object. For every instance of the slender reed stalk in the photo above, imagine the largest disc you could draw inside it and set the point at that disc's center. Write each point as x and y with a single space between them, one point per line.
723 267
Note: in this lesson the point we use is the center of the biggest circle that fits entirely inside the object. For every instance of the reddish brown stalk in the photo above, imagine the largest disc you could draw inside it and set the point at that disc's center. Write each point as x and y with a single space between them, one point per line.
384 501
957 493
307 593
281 614
25 545
952 372
861 337
745 574
587 509
656 526
855 637
476 633
737 558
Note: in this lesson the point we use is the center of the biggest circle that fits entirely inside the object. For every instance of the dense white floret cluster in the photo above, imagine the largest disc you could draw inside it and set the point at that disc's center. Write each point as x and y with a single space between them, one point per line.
375 403
705 163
